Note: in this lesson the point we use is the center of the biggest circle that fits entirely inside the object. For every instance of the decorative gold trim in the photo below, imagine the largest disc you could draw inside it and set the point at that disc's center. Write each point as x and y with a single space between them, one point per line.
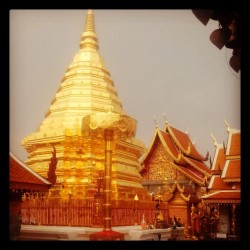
151 146
173 187
231 179
181 189
185 198
215 201
179 157
232 157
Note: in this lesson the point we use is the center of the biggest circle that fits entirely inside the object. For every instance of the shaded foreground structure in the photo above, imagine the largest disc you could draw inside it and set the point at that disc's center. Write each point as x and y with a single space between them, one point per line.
22 180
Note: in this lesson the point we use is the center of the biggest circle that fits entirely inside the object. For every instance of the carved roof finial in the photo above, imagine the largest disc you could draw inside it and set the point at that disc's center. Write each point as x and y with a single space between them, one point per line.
164 115
155 121
228 128
215 142
210 160
194 140
207 155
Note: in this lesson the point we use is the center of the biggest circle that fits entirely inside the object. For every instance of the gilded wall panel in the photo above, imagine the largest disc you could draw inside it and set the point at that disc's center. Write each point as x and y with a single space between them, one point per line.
160 164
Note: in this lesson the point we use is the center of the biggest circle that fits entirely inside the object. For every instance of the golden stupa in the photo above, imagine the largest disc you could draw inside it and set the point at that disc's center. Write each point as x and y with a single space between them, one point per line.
84 107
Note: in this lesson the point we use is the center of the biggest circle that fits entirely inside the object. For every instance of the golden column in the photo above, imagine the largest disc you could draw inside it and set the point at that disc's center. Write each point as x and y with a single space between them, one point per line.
107 233
108 135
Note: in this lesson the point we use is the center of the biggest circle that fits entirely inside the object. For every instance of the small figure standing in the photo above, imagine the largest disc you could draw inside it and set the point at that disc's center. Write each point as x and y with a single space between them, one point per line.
143 223
52 168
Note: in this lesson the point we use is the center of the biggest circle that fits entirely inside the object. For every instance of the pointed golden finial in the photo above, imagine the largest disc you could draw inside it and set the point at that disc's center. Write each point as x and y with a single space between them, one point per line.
215 142
228 128
155 121
89 37
187 130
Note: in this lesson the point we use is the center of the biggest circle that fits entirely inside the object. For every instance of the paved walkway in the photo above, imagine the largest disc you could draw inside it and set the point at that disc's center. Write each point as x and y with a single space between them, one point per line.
36 232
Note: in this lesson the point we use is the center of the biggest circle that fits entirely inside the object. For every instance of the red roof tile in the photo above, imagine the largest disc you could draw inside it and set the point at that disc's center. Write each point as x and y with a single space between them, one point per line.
191 173
233 145
219 158
184 141
231 169
199 166
216 183
171 145
19 173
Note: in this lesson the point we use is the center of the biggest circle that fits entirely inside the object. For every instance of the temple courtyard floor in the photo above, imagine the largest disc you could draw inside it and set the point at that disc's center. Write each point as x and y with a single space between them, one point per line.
64 233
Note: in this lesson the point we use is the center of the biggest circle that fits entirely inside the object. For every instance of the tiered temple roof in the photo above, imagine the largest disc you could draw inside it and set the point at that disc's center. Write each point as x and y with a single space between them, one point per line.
185 156
224 186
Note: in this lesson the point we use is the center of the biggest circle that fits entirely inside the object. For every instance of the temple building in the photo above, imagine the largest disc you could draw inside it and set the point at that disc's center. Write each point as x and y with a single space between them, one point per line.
24 182
174 171
224 189
85 106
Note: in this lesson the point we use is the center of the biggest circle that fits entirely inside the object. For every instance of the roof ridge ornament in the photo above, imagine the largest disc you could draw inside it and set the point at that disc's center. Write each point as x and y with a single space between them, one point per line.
194 141
228 128
210 160
224 147
207 155
187 130
154 118
215 142
164 115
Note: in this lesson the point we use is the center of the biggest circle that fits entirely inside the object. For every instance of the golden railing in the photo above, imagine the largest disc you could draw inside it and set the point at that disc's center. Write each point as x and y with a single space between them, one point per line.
83 212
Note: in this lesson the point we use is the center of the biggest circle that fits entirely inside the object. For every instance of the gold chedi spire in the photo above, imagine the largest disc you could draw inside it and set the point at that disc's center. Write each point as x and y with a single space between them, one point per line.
89 37
86 104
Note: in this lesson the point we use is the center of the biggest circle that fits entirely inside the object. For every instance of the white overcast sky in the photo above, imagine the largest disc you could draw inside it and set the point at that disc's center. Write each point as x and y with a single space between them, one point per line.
161 62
